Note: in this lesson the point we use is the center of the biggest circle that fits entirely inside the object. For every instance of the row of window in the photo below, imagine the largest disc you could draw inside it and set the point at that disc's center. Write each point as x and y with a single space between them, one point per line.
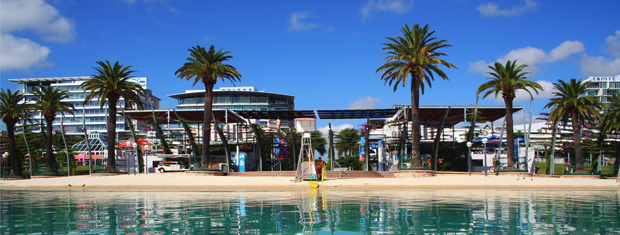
596 85
232 99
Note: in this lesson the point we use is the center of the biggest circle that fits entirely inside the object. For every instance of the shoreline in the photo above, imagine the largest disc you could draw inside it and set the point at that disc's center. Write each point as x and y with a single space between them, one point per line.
192 182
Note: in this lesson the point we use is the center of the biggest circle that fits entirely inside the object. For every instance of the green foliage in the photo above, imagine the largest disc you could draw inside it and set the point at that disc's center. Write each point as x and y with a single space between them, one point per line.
207 67
351 162
347 144
416 54
108 85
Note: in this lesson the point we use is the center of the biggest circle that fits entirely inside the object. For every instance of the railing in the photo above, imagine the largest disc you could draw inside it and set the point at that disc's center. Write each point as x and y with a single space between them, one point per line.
414 162
279 163
587 168
501 165
339 169
207 163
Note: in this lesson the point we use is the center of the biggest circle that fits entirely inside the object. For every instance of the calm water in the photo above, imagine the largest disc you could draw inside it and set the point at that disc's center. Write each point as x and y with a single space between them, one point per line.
310 212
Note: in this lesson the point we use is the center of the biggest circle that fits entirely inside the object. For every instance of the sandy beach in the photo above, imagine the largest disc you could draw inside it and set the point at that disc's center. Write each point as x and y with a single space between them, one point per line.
184 181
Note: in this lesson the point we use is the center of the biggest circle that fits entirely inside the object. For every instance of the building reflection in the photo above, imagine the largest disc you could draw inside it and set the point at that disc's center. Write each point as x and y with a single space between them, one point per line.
310 211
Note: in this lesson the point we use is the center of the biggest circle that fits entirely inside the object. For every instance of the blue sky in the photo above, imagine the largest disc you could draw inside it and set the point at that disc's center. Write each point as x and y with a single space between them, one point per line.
325 53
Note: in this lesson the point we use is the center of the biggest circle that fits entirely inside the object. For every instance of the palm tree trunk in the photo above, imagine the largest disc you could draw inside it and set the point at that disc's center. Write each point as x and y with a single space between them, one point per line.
111 135
415 121
577 141
50 159
206 128
509 134
12 161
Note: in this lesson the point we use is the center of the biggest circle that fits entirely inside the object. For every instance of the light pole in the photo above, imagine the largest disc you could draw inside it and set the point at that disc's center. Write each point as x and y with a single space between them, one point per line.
135 147
4 156
469 157
484 142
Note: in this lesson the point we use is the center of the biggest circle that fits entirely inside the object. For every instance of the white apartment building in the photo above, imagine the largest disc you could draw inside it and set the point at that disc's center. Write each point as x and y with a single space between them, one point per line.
603 86
88 115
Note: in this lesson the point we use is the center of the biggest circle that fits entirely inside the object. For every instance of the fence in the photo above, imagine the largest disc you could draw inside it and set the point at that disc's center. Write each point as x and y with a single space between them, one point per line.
208 163
414 162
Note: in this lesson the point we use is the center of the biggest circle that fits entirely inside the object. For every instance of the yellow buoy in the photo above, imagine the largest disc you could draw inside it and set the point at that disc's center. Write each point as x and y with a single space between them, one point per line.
313 184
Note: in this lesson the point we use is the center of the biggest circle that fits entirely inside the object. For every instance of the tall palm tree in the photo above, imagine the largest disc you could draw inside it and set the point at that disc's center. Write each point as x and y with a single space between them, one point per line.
569 104
13 112
610 123
347 142
207 67
108 85
417 55
508 79
48 100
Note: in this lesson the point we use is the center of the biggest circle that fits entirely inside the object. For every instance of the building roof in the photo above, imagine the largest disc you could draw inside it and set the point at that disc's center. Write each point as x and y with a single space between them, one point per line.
356 113
277 114
52 79
189 115
427 113
456 114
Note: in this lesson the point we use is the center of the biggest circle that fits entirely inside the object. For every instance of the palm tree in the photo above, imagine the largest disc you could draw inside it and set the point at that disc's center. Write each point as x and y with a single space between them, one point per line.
569 103
207 67
610 123
13 112
507 80
109 84
347 142
48 100
415 54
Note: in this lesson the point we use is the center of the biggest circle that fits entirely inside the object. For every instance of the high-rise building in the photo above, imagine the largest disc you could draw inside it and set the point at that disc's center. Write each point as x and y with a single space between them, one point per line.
88 115
603 87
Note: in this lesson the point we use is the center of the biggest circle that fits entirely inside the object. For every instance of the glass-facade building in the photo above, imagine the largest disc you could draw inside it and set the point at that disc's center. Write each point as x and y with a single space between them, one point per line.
88 115
244 98
603 87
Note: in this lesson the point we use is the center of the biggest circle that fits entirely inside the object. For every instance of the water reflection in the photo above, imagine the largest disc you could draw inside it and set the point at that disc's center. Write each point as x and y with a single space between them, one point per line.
310 211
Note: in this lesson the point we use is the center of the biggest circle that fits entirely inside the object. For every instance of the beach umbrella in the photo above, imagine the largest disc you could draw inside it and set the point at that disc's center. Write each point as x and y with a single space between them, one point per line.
144 142
125 144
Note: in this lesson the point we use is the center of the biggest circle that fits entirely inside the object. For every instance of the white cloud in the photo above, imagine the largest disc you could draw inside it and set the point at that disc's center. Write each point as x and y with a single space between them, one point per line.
396 6
297 23
30 15
491 9
599 66
566 49
367 102
21 53
522 95
325 130
533 57
613 44
547 86
36 15
478 67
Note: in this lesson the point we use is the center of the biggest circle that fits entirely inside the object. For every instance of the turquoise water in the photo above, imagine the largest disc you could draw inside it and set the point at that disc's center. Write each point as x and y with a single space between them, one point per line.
310 212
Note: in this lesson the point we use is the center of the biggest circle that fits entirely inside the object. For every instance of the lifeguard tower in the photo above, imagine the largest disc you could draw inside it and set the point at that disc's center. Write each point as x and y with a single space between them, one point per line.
306 170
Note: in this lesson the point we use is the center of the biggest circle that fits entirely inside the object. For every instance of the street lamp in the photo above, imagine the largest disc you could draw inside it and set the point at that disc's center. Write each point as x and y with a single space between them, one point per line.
135 147
4 156
469 157
484 142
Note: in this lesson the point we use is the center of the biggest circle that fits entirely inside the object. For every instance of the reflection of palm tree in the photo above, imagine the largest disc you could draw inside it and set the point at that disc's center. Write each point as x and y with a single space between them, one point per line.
610 123
12 112
347 142
48 100
415 54
507 80
207 67
108 85
569 104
